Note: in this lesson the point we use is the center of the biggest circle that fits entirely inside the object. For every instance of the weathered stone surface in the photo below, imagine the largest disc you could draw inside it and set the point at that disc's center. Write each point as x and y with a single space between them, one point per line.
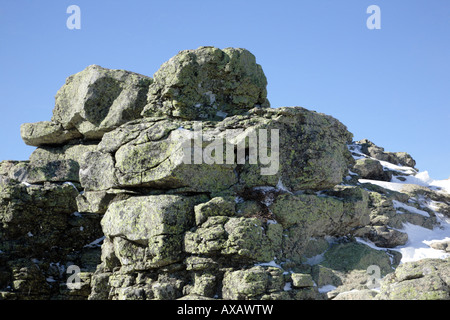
355 256
251 283
97 100
147 231
73 151
48 164
441 245
308 215
207 83
371 169
40 171
46 133
41 234
311 212
97 171
365 294
239 238
204 192
427 279
218 206
314 157
374 151
98 201
144 155
301 280
160 164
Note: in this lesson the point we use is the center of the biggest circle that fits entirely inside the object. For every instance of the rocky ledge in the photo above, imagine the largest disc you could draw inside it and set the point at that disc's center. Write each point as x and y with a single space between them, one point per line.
188 185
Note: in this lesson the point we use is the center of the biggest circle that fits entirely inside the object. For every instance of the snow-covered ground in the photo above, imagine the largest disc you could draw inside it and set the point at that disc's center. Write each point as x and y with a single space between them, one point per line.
419 238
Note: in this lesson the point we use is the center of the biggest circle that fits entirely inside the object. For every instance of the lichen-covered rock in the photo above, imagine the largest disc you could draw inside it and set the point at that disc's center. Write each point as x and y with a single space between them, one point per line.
98 201
207 83
97 100
42 233
374 151
70 151
365 294
314 157
301 280
356 256
152 160
307 215
427 279
218 206
147 231
97 171
441 245
371 169
46 133
204 192
238 238
251 283
158 153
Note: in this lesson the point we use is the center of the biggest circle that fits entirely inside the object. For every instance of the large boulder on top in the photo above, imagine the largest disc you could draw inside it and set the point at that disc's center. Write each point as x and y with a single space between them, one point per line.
97 100
90 103
207 83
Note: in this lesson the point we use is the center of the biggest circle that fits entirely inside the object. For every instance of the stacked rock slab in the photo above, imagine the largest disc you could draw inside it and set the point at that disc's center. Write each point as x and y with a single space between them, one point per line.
194 188
196 230
45 229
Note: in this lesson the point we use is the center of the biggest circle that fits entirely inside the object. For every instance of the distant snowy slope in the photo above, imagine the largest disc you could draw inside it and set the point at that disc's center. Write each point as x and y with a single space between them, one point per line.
427 197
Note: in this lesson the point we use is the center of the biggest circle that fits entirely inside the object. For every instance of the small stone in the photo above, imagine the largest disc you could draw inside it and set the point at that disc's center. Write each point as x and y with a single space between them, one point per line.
302 280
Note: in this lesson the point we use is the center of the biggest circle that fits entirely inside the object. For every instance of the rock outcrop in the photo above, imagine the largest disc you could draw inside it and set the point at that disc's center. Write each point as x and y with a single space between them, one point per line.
195 189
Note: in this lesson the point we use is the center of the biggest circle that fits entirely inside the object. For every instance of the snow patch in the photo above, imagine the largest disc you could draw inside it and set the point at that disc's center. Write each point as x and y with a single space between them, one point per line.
394 186
71 184
398 204
95 243
211 96
269 264
288 286
221 114
419 239
326 288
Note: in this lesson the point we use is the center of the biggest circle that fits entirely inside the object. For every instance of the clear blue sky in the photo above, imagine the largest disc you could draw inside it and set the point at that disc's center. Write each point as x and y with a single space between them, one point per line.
391 85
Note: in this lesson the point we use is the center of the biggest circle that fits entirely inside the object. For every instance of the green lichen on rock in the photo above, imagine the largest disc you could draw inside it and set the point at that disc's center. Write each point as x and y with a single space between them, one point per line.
356 256
40 233
371 169
207 83
196 189
311 212
97 100
302 280
427 279
374 151
218 206
158 153
46 133
147 231
238 238
251 283
97 171
312 149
